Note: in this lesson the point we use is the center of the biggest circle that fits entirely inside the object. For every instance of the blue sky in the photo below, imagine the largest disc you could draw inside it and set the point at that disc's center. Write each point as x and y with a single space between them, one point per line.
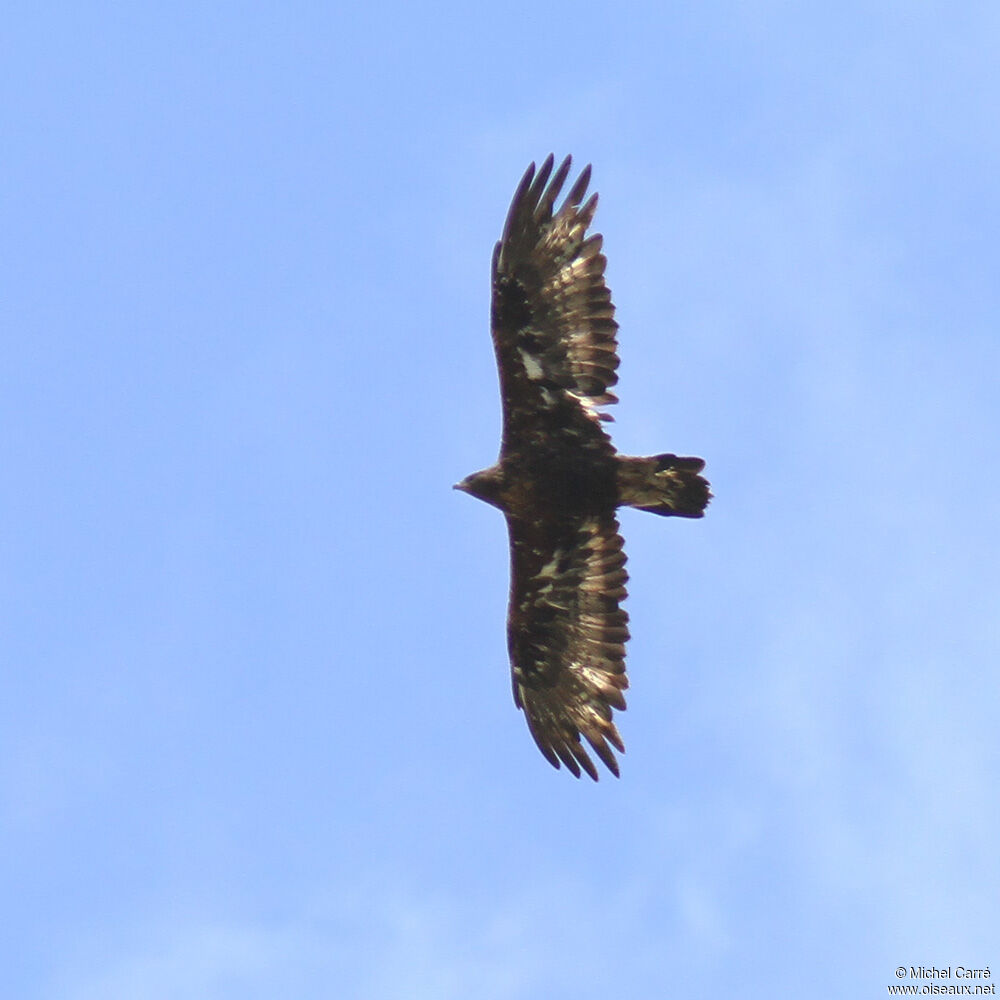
256 730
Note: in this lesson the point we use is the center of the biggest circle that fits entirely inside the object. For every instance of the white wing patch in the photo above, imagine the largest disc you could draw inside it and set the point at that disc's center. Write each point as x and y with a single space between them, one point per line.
585 401
544 580
549 569
532 368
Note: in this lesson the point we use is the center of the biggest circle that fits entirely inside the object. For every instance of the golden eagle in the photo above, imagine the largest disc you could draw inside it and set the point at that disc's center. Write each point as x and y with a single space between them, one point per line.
559 479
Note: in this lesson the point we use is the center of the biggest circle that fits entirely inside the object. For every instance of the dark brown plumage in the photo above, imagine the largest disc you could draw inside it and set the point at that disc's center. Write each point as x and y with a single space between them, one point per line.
559 480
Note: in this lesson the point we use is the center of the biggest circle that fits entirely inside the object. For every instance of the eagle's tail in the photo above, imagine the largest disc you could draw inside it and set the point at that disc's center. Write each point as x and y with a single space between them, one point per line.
663 484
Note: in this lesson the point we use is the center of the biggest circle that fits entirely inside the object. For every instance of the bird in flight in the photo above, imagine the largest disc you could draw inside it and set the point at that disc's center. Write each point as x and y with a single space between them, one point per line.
559 480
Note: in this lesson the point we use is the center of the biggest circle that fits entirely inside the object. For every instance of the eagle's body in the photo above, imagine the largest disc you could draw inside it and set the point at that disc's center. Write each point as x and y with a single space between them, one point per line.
559 480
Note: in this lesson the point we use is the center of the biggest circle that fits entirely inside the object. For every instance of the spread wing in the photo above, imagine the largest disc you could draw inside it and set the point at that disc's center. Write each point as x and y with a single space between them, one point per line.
566 634
553 321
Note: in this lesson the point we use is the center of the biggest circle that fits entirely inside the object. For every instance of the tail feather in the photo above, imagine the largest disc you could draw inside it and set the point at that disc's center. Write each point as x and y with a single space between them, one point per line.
663 484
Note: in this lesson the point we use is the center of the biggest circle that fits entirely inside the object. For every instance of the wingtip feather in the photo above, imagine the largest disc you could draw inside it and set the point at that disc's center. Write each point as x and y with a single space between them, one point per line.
549 195
579 189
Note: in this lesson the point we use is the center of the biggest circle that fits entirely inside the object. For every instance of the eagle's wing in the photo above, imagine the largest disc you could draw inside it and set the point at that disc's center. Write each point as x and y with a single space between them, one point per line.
552 317
566 634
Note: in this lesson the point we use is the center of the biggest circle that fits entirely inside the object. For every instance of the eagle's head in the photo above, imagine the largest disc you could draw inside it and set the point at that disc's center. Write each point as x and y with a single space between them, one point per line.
486 485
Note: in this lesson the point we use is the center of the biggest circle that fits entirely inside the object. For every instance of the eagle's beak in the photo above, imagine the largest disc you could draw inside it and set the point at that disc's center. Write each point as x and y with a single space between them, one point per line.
461 486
